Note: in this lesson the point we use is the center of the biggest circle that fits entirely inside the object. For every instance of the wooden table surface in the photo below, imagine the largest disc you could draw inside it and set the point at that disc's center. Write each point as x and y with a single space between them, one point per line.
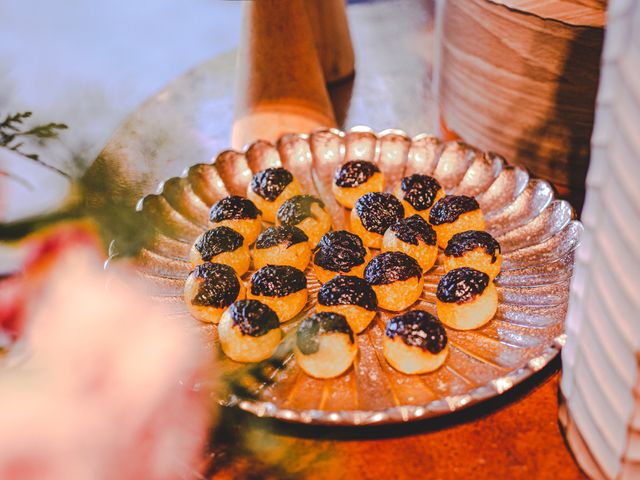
516 436
512 437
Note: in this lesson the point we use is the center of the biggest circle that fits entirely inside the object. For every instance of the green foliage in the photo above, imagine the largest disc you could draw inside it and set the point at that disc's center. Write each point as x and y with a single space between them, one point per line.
13 130
245 383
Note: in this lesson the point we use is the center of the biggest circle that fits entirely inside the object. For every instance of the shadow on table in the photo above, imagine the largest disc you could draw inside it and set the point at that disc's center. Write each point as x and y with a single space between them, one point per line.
370 432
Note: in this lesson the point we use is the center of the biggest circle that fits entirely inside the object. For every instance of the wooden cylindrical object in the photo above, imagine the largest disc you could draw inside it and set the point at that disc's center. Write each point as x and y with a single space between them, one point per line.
520 78
328 19
279 80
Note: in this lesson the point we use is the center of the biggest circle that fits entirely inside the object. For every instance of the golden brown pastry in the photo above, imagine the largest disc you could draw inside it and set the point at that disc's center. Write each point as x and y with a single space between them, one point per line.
418 193
281 287
325 346
350 296
372 214
270 188
210 289
466 299
340 253
308 214
355 178
415 237
454 214
282 245
238 213
249 331
396 278
475 249
415 342
221 245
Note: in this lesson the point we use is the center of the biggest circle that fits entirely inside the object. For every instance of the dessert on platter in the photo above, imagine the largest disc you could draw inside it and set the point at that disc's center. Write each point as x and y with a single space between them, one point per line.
350 296
372 214
435 283
281 287
355 178
475 249
415 342
210 288
455 214
238 213
418 193
340 253
308 213
391 279
270 188
325 345
466 298
282 245
414 236
249 331
221 245
396 278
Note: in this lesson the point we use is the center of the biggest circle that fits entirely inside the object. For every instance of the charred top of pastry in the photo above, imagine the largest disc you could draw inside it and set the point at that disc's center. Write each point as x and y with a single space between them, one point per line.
253 318
270 183
464 242
234 208
312 327
413 229
277 281
339 251
348 290
354 173
418 328
281 235
449 208
389 267
378 211
419 191
297 208
462 285
219 287
218 240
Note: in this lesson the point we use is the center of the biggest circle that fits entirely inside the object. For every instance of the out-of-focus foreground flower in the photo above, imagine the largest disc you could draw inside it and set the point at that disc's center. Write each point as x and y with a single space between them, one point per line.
99 383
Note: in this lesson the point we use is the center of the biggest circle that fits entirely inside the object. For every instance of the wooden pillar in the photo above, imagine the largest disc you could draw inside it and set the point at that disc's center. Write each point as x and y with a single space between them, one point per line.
519 77
280 82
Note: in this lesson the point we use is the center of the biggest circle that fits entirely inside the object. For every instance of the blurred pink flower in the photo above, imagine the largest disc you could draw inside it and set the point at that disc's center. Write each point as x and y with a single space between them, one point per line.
101 383
41 250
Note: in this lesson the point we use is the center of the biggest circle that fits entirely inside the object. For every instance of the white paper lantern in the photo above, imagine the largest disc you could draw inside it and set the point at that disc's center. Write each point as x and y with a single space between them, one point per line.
600 408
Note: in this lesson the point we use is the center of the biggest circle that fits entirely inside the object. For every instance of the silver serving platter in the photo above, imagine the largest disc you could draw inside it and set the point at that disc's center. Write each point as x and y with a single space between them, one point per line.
537 232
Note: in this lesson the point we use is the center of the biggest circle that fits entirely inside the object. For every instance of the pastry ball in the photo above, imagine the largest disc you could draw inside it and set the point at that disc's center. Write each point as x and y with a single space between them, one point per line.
466 299
454 214
415 342
415 237
475 249
308 214
325 346
350 296
282 245
221 245
340 252
418 193
396 278
249 331
354 179
269 189
281 287
238 213
210 289
372 214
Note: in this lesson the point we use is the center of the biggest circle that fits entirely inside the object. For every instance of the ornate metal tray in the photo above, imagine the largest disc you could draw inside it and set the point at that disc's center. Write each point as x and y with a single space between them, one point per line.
538 235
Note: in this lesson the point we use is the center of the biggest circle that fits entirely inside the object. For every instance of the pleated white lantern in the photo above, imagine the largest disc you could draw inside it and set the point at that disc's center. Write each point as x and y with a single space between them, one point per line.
600 387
